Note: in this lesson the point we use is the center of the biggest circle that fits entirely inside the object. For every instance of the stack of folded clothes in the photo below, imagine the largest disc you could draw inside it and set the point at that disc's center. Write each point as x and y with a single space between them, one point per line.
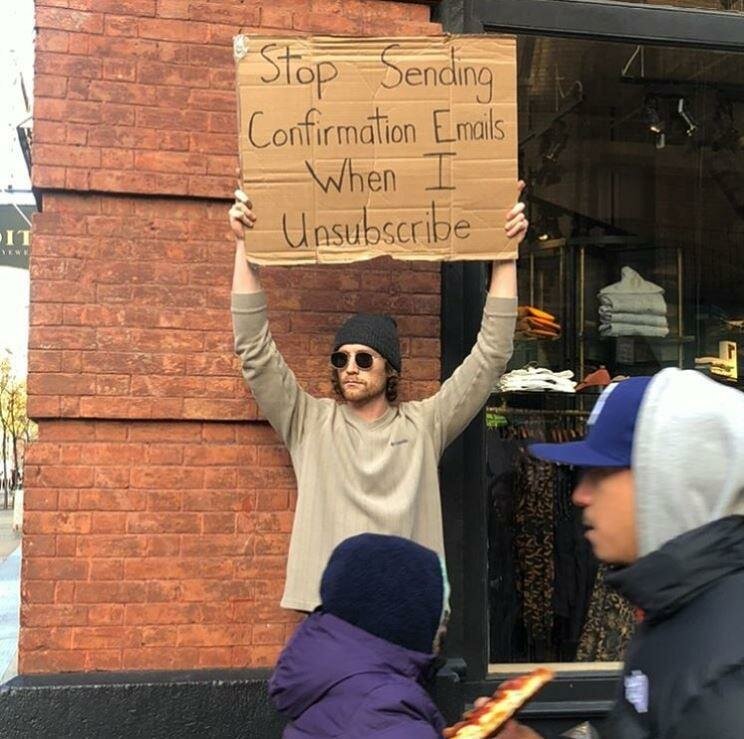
632 307
716 367
598 379
533 323
537 379
725 366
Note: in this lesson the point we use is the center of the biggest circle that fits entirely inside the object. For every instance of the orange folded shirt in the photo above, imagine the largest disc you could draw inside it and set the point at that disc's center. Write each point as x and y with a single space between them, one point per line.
525 311
536 333
541 324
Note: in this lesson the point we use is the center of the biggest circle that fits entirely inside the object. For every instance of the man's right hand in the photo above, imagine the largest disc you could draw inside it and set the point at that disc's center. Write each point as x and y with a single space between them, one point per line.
241 215
245 274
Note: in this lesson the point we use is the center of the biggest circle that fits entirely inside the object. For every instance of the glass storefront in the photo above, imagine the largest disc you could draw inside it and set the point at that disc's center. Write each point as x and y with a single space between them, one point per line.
634 158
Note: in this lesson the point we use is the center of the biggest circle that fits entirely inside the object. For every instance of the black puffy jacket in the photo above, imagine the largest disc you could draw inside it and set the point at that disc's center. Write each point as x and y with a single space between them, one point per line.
684 670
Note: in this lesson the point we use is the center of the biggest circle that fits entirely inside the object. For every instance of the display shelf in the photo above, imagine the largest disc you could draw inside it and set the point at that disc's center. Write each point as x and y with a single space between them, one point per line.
600 261
594 336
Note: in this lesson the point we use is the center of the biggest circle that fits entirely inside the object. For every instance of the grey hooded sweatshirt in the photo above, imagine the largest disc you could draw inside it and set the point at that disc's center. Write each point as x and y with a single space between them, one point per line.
688 456
684 669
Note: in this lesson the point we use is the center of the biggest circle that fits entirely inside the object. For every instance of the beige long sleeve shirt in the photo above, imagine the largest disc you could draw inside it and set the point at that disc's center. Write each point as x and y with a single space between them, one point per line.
355 476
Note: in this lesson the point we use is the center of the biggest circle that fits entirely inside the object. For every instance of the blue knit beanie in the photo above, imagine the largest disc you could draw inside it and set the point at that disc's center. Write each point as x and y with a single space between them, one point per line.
388 586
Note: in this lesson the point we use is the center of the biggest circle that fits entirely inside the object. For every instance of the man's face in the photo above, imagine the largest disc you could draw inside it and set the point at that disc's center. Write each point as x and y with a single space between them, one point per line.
361 385
607 495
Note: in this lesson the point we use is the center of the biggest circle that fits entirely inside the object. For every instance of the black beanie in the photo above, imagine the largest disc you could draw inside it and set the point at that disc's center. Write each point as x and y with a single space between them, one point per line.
388 586
378 332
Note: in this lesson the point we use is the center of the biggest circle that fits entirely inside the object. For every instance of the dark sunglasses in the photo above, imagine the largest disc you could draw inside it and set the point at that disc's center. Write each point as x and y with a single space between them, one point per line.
363 360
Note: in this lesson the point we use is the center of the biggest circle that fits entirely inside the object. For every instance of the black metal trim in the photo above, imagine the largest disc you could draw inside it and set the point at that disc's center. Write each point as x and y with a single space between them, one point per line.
571 685
461 475
224 704
475 541
451 467
571 709
457 16
136 677
572 695
614 21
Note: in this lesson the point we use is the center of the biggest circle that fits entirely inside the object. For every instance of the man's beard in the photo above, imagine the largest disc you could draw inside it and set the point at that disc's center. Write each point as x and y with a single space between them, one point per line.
361 392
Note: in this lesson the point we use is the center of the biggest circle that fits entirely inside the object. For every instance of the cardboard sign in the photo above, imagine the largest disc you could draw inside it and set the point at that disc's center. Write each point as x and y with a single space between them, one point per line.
353 148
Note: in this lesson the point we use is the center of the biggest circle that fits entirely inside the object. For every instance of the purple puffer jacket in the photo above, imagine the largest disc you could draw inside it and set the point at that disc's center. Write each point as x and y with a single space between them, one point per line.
335 680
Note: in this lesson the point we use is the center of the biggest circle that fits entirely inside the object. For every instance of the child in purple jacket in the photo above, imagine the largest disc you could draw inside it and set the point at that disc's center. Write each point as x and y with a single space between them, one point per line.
355 667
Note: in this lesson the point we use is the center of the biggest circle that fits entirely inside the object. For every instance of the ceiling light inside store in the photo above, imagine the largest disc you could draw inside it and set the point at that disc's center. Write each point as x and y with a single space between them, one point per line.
547 226
651 115
552 143
554 140
686 117
726 135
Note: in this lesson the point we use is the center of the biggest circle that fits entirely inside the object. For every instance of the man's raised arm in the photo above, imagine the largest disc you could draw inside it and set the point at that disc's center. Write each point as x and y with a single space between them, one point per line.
467 390
274 386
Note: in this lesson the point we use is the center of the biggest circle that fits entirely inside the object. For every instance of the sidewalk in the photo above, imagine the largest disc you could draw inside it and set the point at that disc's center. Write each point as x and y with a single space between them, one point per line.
9 539
10 595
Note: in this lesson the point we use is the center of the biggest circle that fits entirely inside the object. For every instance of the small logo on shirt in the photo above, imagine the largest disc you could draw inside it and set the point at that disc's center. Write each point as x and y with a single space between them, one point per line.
398 443
636 691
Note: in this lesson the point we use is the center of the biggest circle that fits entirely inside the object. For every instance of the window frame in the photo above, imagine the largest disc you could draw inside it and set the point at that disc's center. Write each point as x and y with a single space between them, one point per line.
601 20
581 691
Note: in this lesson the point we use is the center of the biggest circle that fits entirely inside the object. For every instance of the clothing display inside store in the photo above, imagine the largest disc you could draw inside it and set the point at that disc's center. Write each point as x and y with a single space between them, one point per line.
595 381
634 262
609 623
547 593
723 367
632 307
599 378
632 325
534 323
536 379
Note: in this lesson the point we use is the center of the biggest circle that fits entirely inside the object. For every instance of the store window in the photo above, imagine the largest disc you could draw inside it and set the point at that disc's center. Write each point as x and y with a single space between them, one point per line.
634 158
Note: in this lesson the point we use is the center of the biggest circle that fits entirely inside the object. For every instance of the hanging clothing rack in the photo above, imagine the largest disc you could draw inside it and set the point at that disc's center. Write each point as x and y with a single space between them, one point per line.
536 412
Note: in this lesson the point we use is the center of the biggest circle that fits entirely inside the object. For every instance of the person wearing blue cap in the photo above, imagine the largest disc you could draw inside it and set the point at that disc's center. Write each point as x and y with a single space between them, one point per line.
662 493
365 463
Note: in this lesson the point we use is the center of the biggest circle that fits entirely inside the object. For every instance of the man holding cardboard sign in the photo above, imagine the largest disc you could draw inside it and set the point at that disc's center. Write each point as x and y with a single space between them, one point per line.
358 148
364 464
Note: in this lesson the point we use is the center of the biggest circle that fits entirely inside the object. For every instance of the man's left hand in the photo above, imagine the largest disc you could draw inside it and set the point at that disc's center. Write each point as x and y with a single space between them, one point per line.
516 224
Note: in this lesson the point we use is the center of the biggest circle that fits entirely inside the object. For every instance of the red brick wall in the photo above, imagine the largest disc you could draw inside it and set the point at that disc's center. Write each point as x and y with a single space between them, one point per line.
138 95
155 545
158 503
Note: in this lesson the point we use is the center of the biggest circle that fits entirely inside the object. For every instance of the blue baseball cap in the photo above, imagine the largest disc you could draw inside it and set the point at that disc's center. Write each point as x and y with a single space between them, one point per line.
611 425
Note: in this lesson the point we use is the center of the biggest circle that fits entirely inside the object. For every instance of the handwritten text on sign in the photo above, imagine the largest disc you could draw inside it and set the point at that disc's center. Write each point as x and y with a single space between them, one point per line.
352 148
